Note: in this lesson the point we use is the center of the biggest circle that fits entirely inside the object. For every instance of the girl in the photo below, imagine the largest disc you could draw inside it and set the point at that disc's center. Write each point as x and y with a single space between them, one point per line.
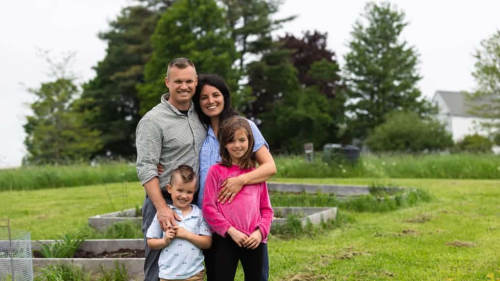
240 227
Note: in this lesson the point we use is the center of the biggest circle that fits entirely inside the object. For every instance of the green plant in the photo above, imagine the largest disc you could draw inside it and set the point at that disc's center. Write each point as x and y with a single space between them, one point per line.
474 143
118 273
395 134
120 230
64 248
63 273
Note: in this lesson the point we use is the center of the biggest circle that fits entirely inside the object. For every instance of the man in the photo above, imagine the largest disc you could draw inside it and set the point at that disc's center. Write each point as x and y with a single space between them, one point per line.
170 134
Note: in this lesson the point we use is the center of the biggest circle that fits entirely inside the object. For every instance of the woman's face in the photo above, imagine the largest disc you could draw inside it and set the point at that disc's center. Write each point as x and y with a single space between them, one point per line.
211 101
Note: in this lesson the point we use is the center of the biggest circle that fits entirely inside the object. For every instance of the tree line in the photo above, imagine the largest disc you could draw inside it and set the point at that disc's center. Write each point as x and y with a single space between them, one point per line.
293 87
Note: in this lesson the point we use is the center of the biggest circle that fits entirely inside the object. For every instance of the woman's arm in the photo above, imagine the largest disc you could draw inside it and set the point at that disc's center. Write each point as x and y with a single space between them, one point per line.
266 169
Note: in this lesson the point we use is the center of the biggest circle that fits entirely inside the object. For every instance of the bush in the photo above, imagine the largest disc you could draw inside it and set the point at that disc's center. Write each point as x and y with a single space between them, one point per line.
474 143
408 132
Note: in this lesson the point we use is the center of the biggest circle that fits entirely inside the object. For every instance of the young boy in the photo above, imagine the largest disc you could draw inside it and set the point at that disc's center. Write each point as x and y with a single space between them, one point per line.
181 257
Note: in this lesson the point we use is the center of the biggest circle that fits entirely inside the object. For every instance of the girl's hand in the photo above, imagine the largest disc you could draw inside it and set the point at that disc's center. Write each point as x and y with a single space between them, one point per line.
180 232
230 187
238 237
160 168
253 240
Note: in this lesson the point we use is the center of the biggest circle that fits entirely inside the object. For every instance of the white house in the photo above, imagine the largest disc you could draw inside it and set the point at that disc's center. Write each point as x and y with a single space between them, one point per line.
454 113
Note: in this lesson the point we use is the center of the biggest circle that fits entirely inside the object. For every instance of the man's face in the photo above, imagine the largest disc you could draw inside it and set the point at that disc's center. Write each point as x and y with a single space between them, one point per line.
181 84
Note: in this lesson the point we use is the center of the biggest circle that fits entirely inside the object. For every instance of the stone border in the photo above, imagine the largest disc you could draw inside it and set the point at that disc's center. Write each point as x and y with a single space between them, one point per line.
99 246
313 214
134 266
339 190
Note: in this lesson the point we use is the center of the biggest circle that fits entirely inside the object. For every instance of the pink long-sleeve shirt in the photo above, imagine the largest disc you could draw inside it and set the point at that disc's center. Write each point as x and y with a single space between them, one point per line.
250 209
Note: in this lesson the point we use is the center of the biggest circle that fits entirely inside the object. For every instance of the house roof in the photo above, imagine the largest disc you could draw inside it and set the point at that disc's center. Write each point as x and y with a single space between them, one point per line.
457 103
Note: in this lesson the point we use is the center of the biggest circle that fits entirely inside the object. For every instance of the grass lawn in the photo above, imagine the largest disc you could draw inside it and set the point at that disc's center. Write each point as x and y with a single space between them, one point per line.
454 237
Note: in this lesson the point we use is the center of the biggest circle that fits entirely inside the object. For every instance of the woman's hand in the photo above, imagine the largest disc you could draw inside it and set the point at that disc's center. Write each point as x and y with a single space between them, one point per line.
230 187
160 168
253 240
238 237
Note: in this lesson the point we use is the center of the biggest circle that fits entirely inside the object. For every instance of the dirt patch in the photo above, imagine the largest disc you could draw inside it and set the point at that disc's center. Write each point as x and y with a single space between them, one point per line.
306 277
410 232
464 244
423 218
122 253
349 253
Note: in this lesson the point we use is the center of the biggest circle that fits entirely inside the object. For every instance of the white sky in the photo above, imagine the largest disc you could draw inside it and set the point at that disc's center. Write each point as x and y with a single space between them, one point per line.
445 33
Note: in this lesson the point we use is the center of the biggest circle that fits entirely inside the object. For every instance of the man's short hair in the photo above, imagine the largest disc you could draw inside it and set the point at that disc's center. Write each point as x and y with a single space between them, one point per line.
180 63
185 171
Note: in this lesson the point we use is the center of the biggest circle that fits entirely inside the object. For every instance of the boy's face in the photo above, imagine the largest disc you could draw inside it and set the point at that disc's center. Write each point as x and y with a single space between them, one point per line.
182 193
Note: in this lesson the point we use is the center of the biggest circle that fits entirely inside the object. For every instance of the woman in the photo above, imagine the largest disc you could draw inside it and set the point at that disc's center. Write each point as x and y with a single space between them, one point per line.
212 102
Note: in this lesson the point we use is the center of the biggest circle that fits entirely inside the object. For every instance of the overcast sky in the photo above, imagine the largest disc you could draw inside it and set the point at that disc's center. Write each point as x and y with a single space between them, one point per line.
445 33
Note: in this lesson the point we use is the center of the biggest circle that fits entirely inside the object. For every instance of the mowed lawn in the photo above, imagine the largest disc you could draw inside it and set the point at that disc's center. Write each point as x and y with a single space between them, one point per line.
454 237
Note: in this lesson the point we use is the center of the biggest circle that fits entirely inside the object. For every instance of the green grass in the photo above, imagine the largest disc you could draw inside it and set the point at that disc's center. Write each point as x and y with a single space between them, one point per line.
42 177
452 237
454 166
49 213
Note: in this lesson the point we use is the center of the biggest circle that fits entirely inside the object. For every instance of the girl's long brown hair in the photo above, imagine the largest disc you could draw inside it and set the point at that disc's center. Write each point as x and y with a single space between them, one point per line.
226 135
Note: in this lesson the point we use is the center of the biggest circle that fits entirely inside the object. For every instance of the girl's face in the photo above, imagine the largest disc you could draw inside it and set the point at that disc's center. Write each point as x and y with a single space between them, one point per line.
238 146
211 101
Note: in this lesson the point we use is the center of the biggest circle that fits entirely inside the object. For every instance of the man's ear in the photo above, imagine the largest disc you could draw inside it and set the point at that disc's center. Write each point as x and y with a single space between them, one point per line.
166 81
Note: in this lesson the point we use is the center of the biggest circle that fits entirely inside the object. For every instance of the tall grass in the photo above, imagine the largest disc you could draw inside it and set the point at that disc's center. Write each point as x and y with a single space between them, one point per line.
40 177
453 166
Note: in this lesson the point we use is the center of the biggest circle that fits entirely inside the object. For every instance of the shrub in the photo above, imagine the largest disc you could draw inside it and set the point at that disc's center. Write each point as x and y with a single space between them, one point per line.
474 143
408 132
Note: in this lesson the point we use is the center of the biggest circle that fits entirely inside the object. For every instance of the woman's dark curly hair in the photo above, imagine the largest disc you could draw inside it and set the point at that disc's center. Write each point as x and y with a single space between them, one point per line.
220 84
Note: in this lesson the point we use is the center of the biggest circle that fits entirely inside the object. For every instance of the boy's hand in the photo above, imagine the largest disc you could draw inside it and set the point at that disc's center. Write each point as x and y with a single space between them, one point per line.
169 235
230 187
253 240
180 232
238 237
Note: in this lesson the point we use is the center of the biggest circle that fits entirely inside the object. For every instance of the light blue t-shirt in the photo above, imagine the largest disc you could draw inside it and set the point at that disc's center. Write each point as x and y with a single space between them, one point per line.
181 259
209 154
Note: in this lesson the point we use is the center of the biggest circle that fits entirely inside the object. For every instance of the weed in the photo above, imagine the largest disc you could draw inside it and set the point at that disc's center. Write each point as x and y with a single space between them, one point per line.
64 248
119 273
63 273
121 230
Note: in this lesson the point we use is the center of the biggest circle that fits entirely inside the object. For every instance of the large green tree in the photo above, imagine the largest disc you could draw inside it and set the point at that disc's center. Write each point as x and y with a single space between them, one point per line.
110 100
195 29
381 70
486 98
55 132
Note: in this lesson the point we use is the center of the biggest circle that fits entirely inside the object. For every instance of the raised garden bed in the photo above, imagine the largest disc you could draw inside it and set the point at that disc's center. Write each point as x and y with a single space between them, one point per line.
93 254
314 215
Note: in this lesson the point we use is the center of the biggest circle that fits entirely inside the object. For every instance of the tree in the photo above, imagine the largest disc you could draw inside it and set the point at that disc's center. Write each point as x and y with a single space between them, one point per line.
396 134
195 29
55 133
485 100
381 70
109 101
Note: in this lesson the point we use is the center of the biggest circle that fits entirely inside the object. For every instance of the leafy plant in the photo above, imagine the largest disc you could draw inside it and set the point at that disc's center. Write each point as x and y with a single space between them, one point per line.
474 143
119 273
63 273
64 248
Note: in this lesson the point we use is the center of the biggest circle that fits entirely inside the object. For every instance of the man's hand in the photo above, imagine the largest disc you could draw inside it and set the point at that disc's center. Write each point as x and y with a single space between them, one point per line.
167 218
238 237
253 240
181 232
230 187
